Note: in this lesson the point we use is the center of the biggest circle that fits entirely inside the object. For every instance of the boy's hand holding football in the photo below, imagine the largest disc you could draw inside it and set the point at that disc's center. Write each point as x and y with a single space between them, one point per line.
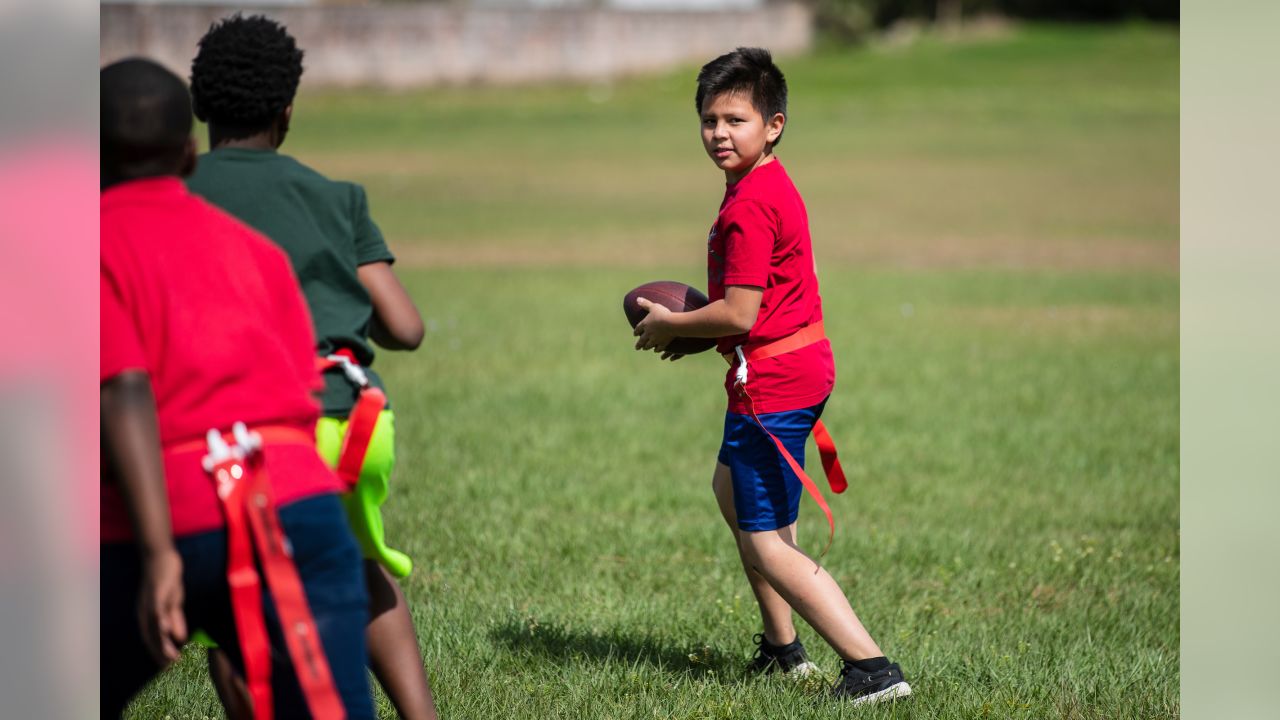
655 331
659 313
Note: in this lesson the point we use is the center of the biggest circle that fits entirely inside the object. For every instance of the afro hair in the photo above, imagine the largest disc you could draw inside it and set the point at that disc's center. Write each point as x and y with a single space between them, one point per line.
245 74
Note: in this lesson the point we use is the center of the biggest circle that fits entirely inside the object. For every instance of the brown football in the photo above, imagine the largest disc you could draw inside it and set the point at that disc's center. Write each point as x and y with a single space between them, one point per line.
675 296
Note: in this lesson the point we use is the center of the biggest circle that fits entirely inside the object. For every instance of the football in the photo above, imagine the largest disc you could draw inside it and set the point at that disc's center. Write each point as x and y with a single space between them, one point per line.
676 297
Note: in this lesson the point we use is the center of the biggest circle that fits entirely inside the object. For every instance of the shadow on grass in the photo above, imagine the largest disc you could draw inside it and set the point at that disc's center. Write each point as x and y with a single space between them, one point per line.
557 643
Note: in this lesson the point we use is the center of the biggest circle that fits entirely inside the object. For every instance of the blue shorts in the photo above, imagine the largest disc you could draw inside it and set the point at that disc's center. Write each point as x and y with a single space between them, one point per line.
766 492
332 573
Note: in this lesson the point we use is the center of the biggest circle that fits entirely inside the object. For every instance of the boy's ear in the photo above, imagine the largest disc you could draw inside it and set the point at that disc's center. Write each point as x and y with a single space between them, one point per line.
282 124
773 127
188 158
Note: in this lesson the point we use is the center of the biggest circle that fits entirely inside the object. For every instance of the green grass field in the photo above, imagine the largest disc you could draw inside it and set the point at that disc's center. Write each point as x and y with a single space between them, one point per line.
996 224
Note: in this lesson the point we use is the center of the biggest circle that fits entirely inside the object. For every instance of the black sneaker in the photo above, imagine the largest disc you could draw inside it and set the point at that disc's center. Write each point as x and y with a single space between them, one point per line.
790 658
861 687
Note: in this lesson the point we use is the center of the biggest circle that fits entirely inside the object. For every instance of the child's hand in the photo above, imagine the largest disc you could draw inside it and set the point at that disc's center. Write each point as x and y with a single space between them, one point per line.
668 355
654 330
163 625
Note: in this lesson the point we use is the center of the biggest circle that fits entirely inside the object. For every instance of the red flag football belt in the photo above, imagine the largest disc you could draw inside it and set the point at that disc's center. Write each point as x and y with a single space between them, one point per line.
363 418
804 337
245 492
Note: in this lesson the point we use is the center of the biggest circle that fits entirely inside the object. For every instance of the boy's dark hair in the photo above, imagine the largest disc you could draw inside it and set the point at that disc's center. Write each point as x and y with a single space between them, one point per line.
144 121
245 74
749 70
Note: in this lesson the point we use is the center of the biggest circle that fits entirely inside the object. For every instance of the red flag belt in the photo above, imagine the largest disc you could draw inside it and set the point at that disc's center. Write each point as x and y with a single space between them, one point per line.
248 502
363 418
804 337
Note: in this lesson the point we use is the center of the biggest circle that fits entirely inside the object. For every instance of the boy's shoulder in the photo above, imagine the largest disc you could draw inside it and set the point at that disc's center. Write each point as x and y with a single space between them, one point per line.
303 170
212 166
349 194
768 185
135 232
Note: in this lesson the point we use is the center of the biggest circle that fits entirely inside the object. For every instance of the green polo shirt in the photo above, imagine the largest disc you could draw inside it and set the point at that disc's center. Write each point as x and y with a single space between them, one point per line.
324 227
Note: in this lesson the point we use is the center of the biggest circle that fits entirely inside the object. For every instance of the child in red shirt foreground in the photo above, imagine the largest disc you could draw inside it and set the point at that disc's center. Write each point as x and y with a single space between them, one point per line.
203 327
763 288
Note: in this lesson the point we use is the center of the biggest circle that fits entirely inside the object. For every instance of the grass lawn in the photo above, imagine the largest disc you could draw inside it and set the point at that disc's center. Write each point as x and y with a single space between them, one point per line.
996 228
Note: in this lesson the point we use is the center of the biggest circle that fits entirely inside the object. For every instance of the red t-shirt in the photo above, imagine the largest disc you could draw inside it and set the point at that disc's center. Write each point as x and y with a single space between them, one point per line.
761 238
212 312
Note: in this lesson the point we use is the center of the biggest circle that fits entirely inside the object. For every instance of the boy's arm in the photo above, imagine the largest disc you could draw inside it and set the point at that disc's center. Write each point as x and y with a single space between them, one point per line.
396 325
131 437
733 315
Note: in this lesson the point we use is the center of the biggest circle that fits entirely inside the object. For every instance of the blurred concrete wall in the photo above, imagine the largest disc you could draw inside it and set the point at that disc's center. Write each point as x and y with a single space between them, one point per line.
406 45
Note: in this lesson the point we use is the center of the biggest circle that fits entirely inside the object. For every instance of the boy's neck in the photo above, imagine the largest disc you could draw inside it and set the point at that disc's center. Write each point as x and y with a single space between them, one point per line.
269 139
244 143
733 178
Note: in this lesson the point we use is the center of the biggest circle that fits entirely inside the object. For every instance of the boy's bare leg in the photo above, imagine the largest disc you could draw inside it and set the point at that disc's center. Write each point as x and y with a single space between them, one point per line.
394 656
231 688
810 589
775 613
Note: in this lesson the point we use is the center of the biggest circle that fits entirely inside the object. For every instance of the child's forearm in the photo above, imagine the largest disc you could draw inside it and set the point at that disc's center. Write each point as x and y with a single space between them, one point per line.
131 436
397 324
714 320
386 339
733 315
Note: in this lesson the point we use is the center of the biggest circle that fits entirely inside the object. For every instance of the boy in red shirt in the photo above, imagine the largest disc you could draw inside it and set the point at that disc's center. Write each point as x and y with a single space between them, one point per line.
764 289
203 326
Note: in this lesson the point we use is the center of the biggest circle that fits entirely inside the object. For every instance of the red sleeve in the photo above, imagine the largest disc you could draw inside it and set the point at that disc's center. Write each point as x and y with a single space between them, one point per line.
750 231
121 346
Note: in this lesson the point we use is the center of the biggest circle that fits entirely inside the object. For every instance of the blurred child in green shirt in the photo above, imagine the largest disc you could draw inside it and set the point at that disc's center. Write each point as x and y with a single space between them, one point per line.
243 81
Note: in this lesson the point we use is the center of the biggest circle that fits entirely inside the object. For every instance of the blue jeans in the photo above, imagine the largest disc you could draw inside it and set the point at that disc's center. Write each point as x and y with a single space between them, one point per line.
331 569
